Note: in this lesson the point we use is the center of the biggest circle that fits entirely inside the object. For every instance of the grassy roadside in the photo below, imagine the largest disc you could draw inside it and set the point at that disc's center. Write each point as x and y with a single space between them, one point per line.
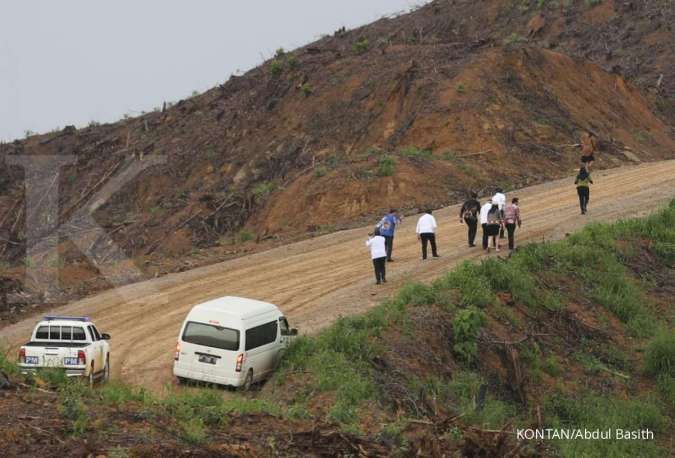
576 334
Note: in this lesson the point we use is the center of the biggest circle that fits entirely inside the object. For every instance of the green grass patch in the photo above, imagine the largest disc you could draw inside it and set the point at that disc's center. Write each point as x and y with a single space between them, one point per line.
417 153
660 355
606 413
245 236
264 189
386 166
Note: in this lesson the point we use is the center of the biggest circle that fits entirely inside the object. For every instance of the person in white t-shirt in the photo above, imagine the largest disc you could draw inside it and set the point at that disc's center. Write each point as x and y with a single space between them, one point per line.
378 253
484 210
499 199
426 233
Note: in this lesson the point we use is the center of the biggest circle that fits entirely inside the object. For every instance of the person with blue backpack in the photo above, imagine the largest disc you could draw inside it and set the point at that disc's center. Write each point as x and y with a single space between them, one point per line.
387 227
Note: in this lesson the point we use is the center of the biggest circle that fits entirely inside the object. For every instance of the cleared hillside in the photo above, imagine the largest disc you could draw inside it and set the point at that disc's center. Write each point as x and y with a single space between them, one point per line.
409 112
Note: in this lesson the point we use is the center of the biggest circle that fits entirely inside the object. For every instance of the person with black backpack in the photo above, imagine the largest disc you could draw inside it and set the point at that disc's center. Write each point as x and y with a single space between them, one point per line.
494 225
583 182
469 215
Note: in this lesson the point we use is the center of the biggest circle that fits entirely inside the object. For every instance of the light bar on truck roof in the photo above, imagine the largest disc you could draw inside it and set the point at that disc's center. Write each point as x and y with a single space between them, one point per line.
67 318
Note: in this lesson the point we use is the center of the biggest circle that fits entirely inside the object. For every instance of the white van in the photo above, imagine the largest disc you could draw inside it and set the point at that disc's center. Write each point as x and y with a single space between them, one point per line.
231 341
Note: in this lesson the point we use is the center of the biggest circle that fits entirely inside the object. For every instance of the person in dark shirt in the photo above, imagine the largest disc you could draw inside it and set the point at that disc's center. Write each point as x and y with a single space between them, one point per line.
469 215
583 183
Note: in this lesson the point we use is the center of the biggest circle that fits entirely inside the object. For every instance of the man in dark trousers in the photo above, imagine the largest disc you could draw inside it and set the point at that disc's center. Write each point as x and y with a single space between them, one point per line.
484 210
469 215
426 232
387 230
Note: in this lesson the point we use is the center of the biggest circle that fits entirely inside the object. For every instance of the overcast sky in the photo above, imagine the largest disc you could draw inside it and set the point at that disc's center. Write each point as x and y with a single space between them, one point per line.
76 61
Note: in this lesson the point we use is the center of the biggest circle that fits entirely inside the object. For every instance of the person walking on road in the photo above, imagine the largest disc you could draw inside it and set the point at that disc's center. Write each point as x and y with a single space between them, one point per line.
469 215
499 199
378 254
494 225
426 233
484 210
589 145
583 182
387 230
511 220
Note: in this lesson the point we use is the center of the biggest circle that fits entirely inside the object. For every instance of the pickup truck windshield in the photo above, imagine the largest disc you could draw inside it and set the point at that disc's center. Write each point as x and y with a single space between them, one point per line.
211 336
60 333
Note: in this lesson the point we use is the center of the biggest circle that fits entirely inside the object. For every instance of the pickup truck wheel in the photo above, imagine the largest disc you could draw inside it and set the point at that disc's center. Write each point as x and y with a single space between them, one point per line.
106 370
248 381
91 377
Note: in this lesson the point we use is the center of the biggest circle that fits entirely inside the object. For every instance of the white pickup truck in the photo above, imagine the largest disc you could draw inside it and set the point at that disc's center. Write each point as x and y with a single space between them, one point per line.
70 343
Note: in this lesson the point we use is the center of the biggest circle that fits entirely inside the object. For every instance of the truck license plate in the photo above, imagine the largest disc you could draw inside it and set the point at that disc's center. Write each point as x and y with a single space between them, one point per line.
32 360
70 361
207 359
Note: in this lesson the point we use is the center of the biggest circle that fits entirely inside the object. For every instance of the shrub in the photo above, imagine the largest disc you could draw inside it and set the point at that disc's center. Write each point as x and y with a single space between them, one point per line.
262 190
386 166
193 431
461 89
320 171
449 156
514 38
306 89
465 327
6 365
276 68
361 46
293 62
414 152
245 236
71 406
660 355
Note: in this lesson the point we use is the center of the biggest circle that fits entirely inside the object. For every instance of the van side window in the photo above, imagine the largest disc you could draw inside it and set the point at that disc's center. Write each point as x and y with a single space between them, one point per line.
261 335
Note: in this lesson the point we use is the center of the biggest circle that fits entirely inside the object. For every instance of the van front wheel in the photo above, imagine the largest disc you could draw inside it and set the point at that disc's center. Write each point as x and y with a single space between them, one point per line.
248 381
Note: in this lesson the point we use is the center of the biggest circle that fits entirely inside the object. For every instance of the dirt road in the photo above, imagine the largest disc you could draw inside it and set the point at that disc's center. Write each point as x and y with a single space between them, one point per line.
317 280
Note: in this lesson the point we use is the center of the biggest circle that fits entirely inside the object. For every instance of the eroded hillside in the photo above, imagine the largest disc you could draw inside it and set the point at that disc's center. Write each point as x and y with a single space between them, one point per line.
408 112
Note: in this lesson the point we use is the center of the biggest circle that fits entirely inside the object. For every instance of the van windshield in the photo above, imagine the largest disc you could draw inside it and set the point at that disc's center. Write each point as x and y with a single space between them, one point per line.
211 336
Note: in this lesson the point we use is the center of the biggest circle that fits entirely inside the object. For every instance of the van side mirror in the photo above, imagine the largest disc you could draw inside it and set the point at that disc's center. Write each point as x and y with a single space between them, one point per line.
294 332
105 336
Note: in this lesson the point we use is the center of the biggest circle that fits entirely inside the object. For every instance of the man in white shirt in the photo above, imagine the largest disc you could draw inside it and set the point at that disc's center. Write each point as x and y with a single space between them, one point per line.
499 199
426 232
378 253
484 210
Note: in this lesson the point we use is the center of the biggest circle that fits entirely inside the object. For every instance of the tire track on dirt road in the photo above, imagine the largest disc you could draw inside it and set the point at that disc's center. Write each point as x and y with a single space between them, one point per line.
317 280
